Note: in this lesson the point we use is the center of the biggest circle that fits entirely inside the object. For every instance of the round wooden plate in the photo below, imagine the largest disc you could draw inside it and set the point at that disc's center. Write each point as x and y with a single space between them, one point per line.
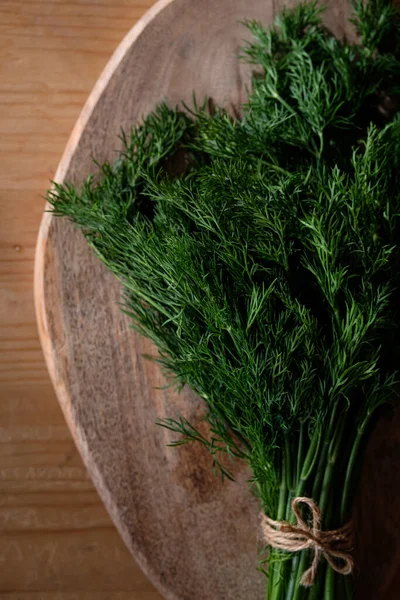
195 537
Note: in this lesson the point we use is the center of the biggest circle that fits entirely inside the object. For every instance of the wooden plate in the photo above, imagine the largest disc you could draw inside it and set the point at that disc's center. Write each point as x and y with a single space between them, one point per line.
194 537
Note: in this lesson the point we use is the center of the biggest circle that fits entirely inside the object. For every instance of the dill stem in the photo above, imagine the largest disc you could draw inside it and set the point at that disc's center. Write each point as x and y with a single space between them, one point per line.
290 480
309 461
299 463
292 579
344 509
329 593
276 580
298 589
320 470
325 493
294 590
315 591
325 501
325 473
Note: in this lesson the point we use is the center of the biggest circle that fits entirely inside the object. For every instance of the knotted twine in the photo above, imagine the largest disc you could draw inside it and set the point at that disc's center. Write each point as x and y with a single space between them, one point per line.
335 546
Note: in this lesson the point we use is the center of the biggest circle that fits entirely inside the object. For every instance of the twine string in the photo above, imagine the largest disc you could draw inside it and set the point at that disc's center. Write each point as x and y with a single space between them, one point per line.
335 546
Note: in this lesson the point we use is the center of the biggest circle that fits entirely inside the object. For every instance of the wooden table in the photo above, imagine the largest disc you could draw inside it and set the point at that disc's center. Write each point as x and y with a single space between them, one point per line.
56 539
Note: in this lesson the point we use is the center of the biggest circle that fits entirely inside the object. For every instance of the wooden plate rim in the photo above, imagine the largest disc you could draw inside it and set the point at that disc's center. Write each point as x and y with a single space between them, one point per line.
61 390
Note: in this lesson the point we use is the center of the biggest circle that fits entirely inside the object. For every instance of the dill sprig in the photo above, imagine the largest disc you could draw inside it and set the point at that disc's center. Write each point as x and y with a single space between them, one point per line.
260 254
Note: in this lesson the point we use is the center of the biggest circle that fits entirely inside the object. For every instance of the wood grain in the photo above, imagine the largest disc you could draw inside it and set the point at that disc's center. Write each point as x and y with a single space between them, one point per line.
193 536
57 541
162 501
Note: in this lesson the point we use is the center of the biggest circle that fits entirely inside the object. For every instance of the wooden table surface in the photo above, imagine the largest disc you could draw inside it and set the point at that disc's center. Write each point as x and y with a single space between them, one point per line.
56 539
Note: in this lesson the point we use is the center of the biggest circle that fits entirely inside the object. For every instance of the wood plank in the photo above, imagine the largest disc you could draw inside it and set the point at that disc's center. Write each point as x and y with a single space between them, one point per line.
57 541
162 500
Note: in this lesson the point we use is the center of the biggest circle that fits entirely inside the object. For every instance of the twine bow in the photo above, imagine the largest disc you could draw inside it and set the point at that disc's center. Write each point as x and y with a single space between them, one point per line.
335 546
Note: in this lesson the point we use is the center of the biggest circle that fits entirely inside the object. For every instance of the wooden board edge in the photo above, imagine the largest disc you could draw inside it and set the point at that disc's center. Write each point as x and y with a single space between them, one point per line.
39 296
62 169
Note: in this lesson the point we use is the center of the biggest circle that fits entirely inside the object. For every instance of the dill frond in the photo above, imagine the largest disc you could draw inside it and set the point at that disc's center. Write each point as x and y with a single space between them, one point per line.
266 267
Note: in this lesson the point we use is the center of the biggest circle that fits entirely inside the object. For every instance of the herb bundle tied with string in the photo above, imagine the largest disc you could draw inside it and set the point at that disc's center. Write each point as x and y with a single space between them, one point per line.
265 268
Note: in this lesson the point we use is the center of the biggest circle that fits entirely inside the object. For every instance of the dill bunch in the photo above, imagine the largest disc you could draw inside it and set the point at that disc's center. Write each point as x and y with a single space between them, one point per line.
260 254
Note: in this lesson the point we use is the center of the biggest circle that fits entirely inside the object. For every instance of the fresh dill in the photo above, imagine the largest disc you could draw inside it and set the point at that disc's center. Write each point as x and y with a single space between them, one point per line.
261 255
